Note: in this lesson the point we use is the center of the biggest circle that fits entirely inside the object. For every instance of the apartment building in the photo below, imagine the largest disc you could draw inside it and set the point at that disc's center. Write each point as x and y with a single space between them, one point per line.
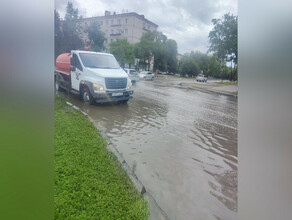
126 25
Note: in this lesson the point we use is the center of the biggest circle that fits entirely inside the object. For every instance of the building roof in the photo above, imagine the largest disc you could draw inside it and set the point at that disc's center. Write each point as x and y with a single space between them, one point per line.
122 15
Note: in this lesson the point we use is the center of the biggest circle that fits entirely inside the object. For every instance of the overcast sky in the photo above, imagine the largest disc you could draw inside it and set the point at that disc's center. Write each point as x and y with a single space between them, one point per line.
186 21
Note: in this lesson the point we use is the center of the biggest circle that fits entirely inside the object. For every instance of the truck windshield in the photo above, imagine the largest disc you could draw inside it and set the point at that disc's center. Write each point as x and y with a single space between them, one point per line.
101 61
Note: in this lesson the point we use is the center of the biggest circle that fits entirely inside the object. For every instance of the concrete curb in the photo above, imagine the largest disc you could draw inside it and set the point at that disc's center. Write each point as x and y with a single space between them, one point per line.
156 213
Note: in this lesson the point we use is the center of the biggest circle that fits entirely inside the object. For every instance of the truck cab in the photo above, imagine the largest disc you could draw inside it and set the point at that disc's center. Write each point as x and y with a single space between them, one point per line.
96 77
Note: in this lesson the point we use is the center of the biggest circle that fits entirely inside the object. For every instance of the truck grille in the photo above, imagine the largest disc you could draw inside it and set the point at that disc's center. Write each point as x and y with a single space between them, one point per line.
116 83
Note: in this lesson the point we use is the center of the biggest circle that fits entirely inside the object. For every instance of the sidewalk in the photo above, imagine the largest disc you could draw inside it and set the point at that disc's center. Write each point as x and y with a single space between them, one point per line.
213 87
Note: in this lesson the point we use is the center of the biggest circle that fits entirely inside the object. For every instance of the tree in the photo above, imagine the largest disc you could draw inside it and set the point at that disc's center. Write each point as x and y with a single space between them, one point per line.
223 39
96 37
71 29
123 51
189 66
58 34
171 46
202 60
144 51
214 67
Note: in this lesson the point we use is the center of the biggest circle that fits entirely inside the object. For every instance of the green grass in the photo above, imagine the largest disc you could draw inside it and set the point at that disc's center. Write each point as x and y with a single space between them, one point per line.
90 183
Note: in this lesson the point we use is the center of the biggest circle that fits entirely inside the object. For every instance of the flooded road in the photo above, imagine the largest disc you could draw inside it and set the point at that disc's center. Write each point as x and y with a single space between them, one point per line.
182 145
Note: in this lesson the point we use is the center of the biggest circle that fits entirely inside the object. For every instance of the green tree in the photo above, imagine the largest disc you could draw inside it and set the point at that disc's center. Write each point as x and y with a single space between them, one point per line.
223 39
144 51
71 29
189 66
171 54
154 43
96 37
123 51
214 67
202 60
58 34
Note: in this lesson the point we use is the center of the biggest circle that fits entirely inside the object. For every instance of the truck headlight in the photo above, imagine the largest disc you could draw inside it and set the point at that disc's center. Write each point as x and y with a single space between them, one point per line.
98 87
130 85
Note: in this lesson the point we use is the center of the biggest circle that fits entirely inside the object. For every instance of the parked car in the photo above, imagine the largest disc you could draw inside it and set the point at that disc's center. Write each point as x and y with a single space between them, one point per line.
201 78
164 73
133 75
147 75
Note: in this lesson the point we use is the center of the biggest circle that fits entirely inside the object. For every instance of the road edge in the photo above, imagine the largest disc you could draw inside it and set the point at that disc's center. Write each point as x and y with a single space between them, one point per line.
182 86
156 212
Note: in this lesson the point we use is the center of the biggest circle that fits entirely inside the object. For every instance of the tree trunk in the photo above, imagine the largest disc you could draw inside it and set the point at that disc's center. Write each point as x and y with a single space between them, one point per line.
231 76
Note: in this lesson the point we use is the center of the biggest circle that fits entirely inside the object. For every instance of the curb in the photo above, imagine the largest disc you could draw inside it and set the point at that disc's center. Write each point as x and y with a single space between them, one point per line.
157 213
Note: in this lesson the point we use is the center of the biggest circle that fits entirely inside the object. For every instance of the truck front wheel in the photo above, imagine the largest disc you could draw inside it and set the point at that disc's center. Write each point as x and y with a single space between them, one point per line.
86 96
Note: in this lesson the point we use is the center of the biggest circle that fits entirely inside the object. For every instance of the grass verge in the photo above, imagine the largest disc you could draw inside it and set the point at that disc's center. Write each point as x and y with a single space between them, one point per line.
90 183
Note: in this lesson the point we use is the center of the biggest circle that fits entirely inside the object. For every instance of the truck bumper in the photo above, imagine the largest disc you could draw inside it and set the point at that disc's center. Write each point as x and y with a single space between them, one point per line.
113 96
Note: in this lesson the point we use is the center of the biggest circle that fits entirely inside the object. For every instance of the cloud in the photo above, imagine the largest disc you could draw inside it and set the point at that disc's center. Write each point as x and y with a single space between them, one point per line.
186 21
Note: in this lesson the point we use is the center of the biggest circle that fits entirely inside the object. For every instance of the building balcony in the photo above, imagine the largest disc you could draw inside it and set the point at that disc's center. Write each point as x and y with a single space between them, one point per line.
119 34
116 25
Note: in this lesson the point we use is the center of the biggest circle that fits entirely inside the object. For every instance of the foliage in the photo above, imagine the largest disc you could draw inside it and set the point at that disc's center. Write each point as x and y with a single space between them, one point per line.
171 54
189 66
90 183
154 43
71 29
202 60
214 68
223 39
123 51
197 62
58 34
96 37
144 51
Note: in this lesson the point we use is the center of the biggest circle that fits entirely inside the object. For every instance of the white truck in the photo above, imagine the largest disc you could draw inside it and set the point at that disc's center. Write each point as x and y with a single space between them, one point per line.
96 77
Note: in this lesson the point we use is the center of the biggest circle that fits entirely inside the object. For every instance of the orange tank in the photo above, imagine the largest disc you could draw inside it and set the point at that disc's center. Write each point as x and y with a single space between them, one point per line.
63 62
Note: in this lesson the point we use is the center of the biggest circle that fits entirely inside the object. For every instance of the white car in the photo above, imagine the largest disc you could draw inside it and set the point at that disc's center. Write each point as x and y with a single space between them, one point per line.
201 78
147 75
133 75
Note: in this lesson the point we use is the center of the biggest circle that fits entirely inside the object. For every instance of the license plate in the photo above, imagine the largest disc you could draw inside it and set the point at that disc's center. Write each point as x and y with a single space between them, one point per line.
117 94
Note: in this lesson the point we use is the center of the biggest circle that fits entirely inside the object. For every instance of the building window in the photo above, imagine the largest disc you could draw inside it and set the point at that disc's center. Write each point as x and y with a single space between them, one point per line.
106 32
126 31
106 22
119 21
126 20
148 27
144 25
112 31
112 40
101 22
112 21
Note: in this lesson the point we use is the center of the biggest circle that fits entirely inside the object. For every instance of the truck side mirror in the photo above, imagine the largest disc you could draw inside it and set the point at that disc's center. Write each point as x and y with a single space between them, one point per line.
72 68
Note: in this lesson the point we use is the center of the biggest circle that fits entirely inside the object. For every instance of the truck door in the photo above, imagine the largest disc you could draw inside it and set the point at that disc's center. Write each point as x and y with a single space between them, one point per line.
76 72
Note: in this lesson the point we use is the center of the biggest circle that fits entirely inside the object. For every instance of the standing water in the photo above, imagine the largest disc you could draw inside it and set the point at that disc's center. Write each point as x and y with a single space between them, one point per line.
182 145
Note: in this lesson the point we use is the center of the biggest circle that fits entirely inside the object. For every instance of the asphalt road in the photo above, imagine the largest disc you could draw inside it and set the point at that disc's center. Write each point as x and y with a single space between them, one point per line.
182 144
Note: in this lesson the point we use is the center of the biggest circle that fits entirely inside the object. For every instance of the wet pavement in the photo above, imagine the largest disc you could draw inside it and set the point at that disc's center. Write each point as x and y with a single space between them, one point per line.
181 143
